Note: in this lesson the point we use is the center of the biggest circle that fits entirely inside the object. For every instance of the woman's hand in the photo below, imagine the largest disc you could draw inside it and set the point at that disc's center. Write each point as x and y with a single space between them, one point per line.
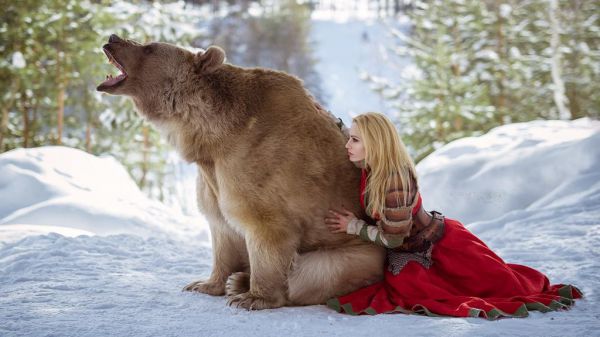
338 221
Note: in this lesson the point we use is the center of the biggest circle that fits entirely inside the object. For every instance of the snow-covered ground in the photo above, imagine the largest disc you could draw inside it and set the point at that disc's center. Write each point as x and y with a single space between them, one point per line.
84 253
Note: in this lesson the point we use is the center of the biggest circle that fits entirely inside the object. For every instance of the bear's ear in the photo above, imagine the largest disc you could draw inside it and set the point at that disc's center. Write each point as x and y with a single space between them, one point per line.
209 60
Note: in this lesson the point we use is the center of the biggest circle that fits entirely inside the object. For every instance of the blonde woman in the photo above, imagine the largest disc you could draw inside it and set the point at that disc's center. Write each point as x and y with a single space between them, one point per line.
435 265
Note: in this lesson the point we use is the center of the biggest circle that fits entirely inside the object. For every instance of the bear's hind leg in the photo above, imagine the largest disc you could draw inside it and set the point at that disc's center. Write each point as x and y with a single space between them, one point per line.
319 275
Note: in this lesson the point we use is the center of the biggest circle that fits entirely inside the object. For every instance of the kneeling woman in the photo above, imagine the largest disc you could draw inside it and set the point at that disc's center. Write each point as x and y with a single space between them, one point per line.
435 266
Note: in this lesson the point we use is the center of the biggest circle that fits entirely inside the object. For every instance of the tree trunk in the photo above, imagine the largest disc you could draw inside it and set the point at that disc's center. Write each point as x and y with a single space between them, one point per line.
33 122
25 114
60 112
5 109
572 87
458 123
3 126
88 137
439 129
455 68
61 83
501 98
60 115
559 86
573 98
88 121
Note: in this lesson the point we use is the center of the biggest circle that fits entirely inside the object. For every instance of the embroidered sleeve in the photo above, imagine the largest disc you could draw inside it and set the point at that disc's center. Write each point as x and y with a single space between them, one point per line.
374 234
397 217
395 224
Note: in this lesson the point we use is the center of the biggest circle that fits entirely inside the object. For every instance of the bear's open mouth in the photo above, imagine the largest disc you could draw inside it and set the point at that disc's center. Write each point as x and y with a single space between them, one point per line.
110 80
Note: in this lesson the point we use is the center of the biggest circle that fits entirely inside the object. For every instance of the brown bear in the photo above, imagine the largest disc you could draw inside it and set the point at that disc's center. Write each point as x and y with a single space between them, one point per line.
270 163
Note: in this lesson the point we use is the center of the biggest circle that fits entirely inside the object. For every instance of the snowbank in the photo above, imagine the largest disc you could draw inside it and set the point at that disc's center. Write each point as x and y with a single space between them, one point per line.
524 166
67 191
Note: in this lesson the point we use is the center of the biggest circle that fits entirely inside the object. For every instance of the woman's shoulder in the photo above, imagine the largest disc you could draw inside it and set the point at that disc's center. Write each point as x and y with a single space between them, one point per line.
395 192
395 182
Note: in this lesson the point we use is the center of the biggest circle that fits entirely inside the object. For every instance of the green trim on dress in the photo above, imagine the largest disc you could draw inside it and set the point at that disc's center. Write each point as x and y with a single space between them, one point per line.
565 301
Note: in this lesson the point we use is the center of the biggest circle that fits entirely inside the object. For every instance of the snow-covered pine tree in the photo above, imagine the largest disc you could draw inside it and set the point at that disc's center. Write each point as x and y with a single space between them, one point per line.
487 63
450 94
580 46
41 52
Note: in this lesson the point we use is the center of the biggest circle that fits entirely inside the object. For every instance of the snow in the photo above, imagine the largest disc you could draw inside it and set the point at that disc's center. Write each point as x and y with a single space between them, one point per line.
18 61
84 253
512 168
62 189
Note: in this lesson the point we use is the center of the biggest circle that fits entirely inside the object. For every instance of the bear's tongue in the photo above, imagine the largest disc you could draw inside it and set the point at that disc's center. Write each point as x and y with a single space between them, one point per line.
110 80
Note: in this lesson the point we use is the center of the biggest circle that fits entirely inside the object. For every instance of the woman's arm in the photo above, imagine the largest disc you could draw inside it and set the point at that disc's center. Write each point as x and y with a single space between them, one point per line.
375 234
391 230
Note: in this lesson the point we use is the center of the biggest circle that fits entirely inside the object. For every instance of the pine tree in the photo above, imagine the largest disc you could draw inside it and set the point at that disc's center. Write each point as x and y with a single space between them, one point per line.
483 64
580 40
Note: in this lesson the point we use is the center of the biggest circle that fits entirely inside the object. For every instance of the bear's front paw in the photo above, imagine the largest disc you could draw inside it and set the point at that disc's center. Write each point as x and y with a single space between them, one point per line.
237 283
249 301
207 287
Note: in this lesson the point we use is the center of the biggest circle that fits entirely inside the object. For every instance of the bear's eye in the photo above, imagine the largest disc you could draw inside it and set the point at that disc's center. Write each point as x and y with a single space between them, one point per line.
148 49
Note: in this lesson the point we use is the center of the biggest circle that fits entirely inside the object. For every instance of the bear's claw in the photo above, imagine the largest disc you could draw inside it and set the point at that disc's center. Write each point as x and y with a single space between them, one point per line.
253 302
206 287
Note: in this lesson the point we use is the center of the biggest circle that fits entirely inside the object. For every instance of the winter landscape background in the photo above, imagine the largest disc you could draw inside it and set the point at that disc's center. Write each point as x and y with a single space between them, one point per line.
84 253
498 102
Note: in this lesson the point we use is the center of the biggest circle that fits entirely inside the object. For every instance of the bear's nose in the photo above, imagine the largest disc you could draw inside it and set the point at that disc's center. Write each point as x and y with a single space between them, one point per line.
114 38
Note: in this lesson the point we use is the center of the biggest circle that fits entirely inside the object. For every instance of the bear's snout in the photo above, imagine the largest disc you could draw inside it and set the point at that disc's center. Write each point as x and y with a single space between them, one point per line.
114 39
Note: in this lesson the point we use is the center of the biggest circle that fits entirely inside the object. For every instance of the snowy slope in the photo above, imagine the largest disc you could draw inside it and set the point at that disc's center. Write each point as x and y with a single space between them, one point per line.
71 192
524 166
123 277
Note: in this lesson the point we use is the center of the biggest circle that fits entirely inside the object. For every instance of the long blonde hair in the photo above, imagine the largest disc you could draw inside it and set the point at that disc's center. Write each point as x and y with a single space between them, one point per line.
386 157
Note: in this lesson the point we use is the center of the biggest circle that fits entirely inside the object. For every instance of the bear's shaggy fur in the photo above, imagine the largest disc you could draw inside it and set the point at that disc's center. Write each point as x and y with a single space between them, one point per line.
270 165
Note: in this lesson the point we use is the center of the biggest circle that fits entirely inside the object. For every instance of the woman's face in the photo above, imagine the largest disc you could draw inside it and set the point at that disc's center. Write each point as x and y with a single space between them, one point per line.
355 147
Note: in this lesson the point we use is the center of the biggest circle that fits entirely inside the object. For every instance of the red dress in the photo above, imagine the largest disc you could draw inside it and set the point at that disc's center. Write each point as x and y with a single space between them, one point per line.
466 279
